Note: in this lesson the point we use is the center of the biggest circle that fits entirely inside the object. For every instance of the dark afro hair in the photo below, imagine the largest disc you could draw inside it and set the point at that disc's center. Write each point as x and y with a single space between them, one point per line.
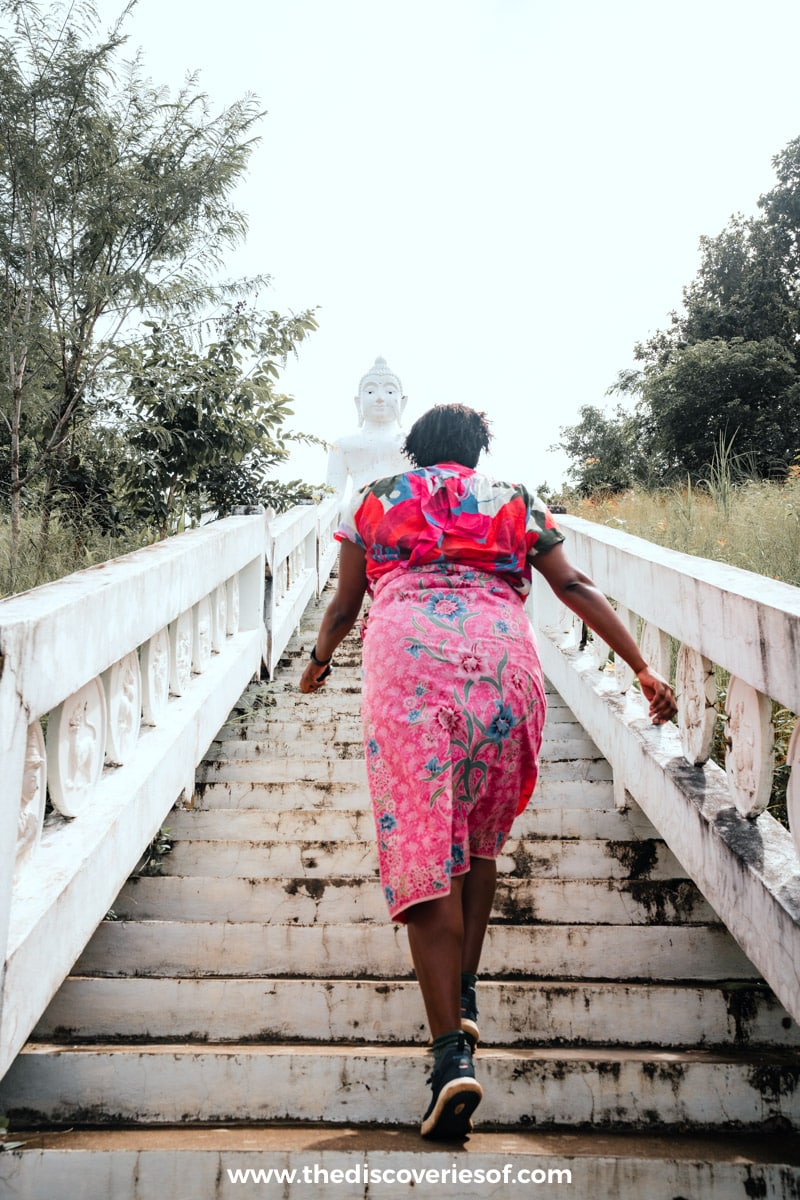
448 433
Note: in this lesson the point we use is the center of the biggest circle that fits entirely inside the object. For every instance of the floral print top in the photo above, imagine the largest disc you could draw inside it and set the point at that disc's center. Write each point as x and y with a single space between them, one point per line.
449 513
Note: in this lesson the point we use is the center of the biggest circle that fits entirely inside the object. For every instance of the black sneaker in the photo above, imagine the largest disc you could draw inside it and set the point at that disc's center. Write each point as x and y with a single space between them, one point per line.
456 1094
469 1015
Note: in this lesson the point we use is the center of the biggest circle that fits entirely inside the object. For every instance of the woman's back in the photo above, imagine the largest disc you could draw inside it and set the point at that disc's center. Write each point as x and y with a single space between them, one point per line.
449 513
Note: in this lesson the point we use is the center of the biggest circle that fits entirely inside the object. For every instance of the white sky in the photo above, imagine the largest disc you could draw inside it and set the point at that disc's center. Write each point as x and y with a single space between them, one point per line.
499 196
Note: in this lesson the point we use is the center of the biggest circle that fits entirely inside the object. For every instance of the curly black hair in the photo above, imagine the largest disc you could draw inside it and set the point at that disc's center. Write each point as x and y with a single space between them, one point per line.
448 433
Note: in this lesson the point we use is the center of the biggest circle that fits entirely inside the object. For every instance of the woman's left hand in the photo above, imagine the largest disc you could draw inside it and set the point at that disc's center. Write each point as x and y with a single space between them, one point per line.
657 690
312 678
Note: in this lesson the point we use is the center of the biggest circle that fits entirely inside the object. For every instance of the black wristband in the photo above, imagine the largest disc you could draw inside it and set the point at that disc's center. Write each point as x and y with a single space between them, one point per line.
321 662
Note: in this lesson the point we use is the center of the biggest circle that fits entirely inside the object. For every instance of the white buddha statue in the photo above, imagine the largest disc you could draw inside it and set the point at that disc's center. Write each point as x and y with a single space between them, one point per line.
374 451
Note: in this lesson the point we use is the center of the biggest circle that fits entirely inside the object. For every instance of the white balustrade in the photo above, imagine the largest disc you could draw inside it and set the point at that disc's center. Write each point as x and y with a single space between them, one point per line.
96 656
134 666
743 860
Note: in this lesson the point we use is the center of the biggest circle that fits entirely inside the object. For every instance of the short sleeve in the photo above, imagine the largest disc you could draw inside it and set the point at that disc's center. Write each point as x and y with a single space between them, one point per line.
543 533
348 529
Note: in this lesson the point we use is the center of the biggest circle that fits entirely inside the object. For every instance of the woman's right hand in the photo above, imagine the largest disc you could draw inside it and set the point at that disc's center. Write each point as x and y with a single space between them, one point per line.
658 692
314 676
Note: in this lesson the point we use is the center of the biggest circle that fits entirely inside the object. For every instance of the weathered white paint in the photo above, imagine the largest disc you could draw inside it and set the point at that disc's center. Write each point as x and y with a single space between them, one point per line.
696 692
309 900
351 944
512 1012
594 1086
748 868
192 611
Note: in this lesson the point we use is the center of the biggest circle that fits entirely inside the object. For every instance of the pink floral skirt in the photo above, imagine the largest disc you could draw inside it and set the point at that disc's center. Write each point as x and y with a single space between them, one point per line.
453 708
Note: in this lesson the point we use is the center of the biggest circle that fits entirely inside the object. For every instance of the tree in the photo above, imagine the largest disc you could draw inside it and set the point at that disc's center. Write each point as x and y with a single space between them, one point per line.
741 289
205 425
743 392
604 451
727 368
114 201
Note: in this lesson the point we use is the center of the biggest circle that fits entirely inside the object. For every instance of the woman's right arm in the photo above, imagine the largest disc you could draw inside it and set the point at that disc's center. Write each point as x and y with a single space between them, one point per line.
341 614
580 594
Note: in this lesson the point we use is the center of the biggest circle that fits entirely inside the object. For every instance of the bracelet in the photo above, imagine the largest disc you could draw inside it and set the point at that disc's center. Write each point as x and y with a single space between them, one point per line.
321 662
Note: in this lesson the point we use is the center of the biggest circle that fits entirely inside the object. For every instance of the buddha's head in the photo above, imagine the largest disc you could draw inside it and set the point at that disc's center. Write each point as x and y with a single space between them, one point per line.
380 399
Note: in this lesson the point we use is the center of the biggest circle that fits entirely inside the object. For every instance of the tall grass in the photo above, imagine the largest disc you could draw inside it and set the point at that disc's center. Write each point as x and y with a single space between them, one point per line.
751 524
754 524
70 548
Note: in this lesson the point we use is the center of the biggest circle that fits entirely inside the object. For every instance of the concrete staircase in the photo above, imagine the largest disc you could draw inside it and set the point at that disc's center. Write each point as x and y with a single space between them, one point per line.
250 1007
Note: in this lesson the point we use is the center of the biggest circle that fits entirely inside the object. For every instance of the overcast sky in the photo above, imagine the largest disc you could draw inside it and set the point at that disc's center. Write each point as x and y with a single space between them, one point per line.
499 196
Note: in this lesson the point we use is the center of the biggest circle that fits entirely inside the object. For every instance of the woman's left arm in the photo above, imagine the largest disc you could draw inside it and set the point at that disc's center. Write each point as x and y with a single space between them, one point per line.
341 614
580 594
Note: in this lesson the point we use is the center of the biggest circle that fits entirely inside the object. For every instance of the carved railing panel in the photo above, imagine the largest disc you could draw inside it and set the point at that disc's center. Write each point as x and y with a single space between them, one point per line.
155 673
123 690
76 740
181 643
750 740
696 691
34 794
201 635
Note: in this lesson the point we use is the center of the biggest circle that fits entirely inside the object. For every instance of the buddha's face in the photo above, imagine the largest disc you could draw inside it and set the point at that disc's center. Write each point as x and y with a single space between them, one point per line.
380 400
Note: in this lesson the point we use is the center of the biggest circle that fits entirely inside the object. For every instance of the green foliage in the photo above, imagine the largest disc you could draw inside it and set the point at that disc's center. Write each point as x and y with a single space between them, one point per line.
726 369
742 390
114 201
205 424
152 861
605 451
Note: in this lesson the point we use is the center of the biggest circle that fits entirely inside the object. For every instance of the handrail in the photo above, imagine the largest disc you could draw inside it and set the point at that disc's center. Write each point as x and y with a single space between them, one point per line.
745 862
132 666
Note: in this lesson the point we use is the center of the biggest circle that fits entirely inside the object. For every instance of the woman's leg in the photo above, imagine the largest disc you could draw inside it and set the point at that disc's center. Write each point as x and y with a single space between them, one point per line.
446 937
436 939
476 906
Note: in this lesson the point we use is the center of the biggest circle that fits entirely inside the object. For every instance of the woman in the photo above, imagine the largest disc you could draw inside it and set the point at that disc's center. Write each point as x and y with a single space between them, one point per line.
453 703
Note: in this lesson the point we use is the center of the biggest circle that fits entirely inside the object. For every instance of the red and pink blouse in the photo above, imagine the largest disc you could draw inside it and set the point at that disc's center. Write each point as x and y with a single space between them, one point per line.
449 513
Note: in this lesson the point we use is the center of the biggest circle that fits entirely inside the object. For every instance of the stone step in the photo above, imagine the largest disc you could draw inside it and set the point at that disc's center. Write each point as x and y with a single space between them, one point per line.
287 794
308 901
339 729
331 853
276 725
597 1088
307 1162
299 768
335 743
199 948
345 1010
338 700
254 824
